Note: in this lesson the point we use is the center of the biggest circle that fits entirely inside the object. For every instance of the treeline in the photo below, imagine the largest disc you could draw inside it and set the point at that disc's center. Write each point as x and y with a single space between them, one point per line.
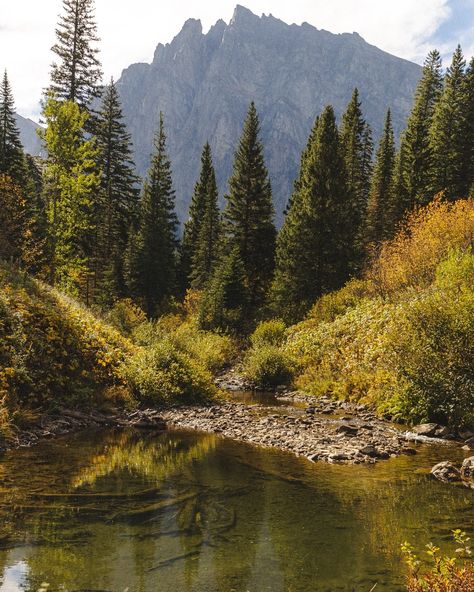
83 220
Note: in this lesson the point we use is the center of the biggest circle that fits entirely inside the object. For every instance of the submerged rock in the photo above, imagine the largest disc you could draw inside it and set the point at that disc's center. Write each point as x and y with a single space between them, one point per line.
467 469
445 471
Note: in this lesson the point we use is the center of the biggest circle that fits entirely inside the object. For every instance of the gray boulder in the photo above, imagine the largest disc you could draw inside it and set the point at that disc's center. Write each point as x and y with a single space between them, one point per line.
445 471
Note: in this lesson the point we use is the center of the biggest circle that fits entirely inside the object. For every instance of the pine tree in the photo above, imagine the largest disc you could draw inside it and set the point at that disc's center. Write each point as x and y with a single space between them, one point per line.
207 241
380 213
35 254
357 145
203 210
313 247
415 169
447 134
152 258
118 194
71 184
76 75
468 172
12 160
224 303
248 216
12 220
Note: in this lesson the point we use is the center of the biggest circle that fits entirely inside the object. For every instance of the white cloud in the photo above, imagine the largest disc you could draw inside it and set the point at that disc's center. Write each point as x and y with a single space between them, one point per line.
131 31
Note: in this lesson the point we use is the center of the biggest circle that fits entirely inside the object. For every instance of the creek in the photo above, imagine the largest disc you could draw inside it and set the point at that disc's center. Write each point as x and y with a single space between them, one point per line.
181 511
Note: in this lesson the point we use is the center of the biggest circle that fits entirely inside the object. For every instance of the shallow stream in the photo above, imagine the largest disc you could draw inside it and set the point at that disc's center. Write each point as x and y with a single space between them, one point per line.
188 512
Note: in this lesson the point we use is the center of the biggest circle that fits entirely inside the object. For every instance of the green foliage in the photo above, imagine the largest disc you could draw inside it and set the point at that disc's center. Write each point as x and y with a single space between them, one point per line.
248 216
265 363
199 249
409 351
54 352
270 332
331 305
316 244
224 302
12 161
447 134
444 573
152 253
414 172
357 144
435 349
268 366
71 183
160 373
379 223
117 204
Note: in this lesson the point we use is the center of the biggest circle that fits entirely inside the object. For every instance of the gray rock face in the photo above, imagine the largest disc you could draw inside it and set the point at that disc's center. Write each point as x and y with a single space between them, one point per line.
204 84
28 136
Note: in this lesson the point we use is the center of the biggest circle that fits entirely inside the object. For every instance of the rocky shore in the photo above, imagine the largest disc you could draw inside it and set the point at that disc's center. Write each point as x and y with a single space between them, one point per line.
328 431
67 421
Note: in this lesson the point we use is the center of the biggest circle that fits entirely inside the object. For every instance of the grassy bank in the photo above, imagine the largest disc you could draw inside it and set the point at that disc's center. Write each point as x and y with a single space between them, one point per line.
401 338
54 352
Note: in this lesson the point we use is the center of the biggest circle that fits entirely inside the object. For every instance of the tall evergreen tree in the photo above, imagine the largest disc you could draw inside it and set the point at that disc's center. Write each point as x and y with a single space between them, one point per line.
357 146
447 134
380 212
224 302
71 184
76 75
203 210
35 255
152 258
468 172
416 150
206 248
118 194
248 216
12 220
314 245
12 162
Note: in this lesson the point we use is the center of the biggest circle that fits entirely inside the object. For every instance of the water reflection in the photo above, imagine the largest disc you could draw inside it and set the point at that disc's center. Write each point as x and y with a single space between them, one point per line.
187 512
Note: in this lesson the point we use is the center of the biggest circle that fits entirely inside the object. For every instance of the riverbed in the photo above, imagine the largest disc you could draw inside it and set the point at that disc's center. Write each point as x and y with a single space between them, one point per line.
182 511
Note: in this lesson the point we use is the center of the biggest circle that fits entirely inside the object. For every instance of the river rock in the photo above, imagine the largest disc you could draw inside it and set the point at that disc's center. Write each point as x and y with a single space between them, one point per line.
465 434
442 432
469 443
446 471
467 469
426 429
348 429
369 450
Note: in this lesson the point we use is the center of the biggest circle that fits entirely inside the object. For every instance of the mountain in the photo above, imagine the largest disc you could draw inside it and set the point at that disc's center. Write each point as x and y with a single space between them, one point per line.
28 135
204 83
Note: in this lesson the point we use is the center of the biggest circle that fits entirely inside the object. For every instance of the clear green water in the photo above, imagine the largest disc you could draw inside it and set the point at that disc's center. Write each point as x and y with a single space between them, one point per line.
182 512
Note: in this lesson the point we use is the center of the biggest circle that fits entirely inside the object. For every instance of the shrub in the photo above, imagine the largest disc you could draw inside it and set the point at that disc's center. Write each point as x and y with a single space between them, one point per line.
126 316
331 305
435 351
444 573
269 333
411 258
160 374
268 366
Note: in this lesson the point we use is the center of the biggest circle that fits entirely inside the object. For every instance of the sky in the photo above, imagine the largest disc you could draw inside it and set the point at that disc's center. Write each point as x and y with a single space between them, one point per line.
131 30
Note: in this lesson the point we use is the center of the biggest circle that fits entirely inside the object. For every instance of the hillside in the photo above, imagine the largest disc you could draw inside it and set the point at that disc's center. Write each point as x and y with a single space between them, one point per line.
204 83
55 353
401 338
